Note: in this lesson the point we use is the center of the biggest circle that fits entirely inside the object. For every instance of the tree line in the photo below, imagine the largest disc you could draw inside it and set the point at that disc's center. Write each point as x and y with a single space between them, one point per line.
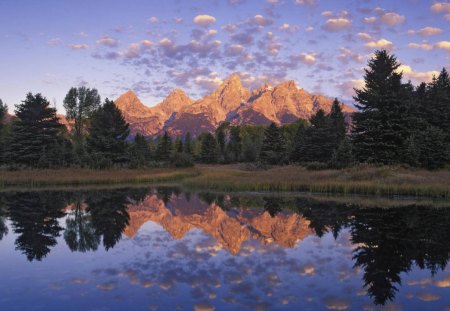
396 123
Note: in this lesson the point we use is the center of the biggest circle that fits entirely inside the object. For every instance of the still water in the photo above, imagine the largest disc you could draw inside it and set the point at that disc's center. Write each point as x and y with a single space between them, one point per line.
163 249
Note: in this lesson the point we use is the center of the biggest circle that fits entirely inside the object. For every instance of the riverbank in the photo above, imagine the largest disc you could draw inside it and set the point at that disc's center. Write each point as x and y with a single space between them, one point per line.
362 180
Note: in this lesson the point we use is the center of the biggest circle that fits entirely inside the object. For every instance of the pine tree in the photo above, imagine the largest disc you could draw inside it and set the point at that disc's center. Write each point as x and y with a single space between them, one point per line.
378 132
187 143
235 143
221 141
36 132
438 102
208 152
107 136
178 145
140 151
337 122
3 111
318 141
164 148
273 150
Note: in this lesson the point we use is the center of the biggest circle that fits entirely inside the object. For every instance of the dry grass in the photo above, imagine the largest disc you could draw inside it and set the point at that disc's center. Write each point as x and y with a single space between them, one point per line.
363 180
79 177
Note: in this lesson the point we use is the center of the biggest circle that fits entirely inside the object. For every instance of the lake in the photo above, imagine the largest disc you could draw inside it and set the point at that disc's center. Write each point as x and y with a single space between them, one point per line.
165 249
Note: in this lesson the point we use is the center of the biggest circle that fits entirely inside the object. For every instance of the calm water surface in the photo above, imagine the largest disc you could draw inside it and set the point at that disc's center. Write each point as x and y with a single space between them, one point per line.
162 249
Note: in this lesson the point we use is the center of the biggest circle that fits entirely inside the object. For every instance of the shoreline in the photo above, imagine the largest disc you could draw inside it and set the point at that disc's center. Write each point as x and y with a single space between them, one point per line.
381 181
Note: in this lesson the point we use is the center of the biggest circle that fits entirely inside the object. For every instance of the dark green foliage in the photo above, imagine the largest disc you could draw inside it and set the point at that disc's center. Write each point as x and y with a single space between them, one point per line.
427 148
318 141
221 141
164 148
378 128
343 155
337 123
140 152
208 149
235 144
252 138
182 159
178 145
187 143
108 133
80 104
3 111
273 150
36 134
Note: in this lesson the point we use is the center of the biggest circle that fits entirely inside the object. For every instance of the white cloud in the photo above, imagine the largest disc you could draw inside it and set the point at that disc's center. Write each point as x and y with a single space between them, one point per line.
441 7
424 46
54 41
392 19
370 20
212 32
426 31
273 1
107 41
261 20
380 44
336 24
305 2
147 43
307 58
288 28
79 46
364 36
416 76
445 45
309 29
204 20
447 17
153 19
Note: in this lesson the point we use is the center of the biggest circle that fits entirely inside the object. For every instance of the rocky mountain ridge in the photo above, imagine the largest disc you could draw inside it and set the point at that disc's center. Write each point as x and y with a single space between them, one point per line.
231 102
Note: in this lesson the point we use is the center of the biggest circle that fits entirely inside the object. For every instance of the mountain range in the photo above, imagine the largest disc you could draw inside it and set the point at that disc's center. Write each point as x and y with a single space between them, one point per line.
231 101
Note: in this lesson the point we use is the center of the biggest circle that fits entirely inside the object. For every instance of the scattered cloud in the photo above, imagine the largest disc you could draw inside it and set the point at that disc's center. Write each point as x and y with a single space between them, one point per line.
416 76
444 45
306 58
441 7
107 41
305 2
204 20
426 31
347 87
424 46
79 46
54 42
392 19
380 44
153 19
336 24
288 28
364 36
370 20
261 20
309 29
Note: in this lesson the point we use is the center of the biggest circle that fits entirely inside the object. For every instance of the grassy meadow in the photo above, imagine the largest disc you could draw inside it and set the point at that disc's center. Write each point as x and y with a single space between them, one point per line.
362 180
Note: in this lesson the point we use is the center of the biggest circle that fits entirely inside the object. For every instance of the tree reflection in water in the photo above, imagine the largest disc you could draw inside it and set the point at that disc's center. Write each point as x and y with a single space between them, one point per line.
387 241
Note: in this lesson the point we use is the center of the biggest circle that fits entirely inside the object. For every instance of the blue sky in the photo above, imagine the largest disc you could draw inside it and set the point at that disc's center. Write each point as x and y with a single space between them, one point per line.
152 47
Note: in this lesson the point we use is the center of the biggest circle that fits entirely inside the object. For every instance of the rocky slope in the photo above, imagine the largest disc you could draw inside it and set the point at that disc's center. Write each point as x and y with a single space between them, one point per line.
231 102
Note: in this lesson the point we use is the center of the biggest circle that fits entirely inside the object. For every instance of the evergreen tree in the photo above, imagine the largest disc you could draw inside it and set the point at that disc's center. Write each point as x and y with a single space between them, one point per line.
178 145
36 133
273 150
439 102
187 143
208 149
3 111
221 141
343 155
107 137
318 141
164 148
80 104
337 123
235 144
140 151
378 130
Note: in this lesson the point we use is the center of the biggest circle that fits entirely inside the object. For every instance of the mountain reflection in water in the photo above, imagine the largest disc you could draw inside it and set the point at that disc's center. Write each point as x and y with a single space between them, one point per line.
220 251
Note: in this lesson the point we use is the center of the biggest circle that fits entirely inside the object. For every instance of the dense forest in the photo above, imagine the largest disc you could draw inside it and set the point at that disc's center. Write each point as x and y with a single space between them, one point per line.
396 123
